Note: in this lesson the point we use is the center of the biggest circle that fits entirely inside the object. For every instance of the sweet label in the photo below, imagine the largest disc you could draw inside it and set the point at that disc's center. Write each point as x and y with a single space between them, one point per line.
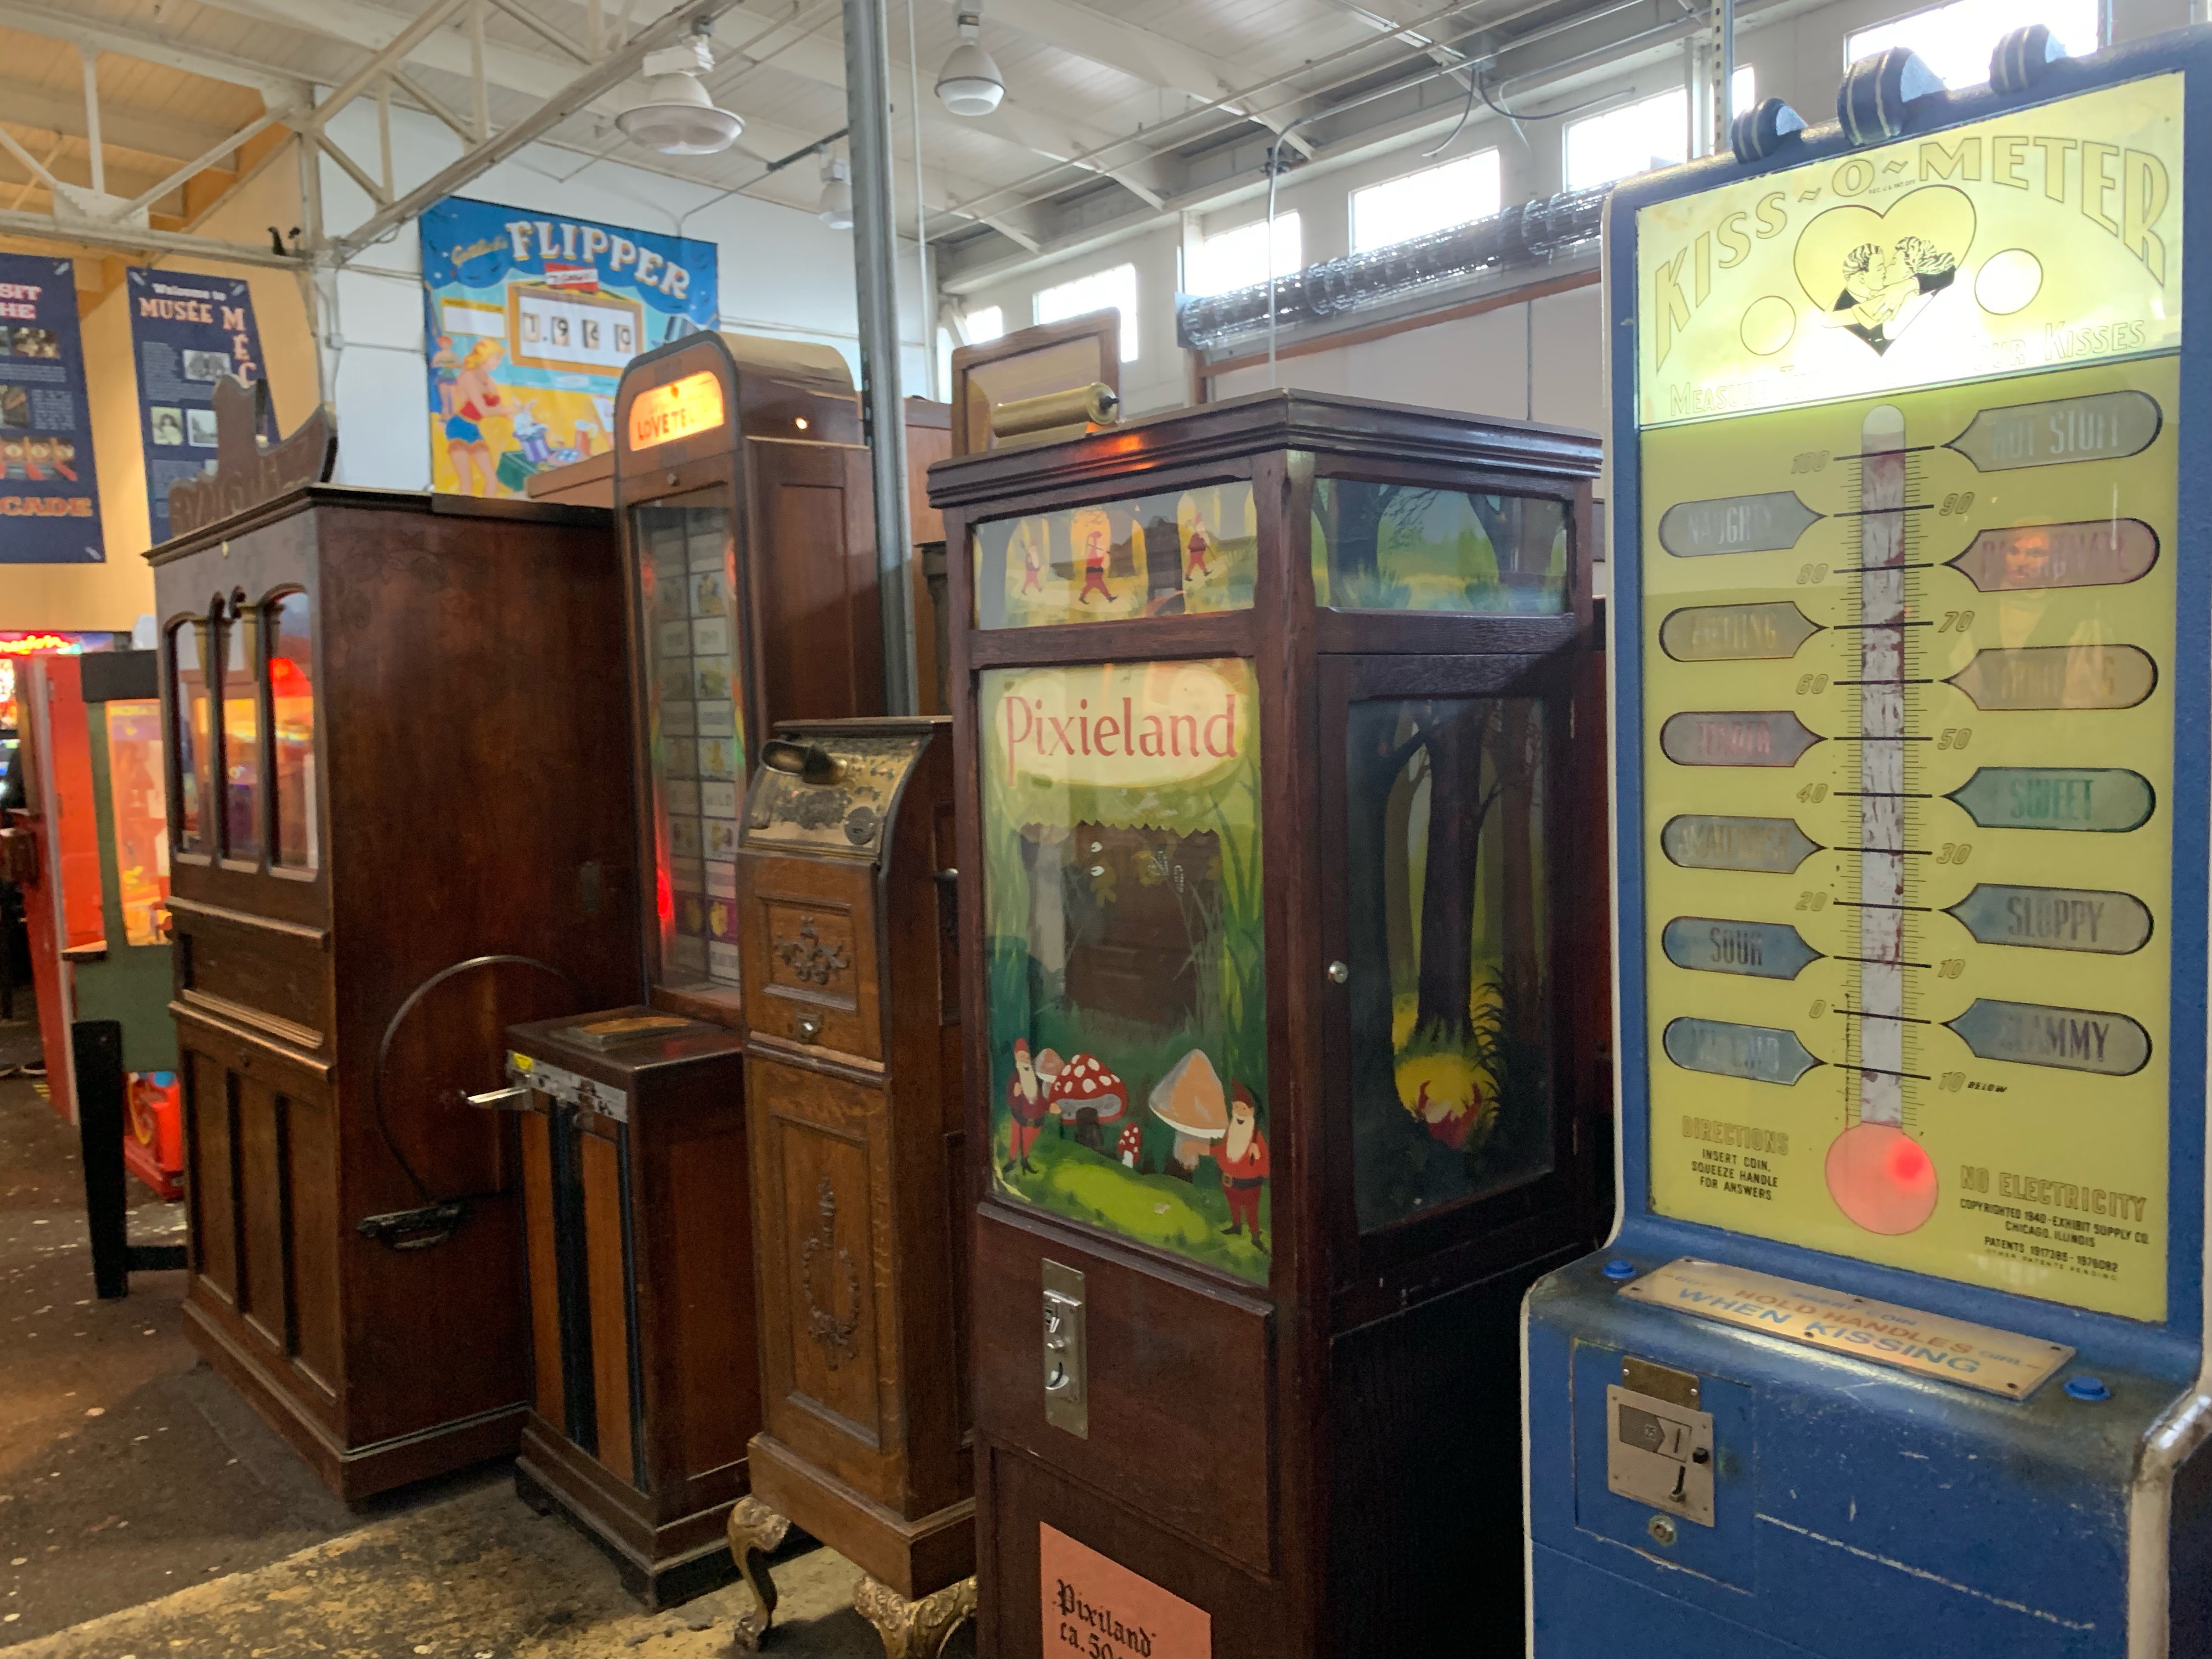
1094 1608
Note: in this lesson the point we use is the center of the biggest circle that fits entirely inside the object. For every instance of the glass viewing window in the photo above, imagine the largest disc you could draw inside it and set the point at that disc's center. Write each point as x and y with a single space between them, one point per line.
694 690
1412 547
188 697
1451 1015
141 813
292 703
241 742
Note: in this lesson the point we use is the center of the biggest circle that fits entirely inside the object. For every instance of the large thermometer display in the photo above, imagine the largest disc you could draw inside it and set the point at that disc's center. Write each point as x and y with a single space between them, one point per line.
1908 457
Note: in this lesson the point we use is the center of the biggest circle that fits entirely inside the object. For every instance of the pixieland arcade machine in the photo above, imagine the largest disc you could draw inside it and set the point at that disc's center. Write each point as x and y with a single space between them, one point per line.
741 495
1276 917
1897 1349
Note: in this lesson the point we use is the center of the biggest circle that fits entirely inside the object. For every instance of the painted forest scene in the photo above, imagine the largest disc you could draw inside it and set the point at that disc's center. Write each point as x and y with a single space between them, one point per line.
1451 1062
1410 547
1174 554
1126 955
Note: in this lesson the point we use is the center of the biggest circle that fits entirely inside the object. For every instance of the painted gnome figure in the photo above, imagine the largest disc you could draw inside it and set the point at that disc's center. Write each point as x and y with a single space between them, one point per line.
1026 1095
1242 1155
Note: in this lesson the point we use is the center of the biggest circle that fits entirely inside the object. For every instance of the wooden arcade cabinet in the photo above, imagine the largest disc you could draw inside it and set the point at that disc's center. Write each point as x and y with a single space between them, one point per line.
388 839
1280 882
742 502
846 886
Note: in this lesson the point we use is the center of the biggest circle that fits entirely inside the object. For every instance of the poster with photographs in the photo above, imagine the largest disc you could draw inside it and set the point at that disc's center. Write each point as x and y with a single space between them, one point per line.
49 499
187 331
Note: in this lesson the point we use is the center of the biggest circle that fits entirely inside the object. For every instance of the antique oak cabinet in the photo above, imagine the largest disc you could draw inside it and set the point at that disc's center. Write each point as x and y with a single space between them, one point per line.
1282 917
845 906
749 576
387 739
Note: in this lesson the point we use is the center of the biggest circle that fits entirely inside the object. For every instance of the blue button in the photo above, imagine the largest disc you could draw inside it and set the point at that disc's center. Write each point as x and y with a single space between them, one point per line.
1617 1268
2088 1387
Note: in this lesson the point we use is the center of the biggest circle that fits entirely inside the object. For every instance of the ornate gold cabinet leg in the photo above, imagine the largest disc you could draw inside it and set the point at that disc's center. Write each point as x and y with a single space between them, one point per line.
755 1532
914 1630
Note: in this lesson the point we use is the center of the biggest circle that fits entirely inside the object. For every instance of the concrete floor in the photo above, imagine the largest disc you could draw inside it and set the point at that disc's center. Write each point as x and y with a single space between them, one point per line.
145 1510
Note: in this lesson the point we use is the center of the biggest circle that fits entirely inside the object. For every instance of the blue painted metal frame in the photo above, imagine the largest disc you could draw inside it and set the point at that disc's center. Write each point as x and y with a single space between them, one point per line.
2166 1351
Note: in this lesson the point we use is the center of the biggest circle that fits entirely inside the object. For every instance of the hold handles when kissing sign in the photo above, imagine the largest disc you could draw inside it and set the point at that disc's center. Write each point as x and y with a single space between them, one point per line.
1096 1608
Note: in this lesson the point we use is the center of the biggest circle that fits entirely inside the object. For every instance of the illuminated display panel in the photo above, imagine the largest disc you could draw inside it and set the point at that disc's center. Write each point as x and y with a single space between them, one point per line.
662 413
1908 452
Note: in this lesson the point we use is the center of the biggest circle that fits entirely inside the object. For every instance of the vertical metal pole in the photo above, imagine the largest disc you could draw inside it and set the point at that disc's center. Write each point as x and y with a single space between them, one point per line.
1723 62
875 257
927 302
92 119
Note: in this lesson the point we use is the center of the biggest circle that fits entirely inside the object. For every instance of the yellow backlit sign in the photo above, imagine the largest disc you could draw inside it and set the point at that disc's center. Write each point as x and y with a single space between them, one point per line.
2047 236
662 413
1909 544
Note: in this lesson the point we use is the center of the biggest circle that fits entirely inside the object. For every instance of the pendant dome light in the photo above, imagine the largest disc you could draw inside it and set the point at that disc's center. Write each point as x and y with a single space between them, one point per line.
673 113
969 83
836 193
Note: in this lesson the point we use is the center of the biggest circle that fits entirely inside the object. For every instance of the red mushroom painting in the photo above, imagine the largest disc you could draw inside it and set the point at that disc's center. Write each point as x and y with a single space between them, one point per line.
1131 1146
1089 1095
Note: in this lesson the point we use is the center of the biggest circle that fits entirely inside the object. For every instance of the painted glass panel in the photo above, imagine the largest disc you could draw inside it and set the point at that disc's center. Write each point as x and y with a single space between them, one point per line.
188 697
292 696
241 745
1413 547
141 840
694 698
1177 553
1449 952
1126 952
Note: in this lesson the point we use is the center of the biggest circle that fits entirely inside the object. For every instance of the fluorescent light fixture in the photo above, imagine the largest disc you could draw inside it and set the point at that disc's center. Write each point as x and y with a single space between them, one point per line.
673 113
969 83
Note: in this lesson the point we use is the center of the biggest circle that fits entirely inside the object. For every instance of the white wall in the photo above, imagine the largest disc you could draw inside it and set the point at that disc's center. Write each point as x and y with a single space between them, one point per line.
782 272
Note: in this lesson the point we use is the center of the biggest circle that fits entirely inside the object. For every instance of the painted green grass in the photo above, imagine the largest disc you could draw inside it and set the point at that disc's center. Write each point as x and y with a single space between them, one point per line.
1185 1217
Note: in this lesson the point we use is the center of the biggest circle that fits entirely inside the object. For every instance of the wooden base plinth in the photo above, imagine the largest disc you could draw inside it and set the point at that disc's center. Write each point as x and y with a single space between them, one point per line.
909 1628
661 1564
914 1558
355 1473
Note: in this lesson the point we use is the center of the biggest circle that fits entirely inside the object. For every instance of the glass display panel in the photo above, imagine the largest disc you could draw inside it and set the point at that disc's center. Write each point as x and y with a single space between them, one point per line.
1170 554
1450 953
1413 547
141 812
188 697
1126 953
241 744
292 702
1908 557
694 689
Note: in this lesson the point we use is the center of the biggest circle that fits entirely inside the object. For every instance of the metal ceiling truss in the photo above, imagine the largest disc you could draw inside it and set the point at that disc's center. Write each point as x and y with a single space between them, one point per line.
1405 79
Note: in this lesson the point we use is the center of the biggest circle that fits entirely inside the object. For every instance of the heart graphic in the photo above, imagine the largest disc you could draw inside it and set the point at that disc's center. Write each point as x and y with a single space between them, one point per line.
1874 273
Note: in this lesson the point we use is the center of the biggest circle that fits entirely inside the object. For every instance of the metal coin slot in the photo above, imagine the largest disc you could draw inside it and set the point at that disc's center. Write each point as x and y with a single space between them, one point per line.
1659 1451
1066 1379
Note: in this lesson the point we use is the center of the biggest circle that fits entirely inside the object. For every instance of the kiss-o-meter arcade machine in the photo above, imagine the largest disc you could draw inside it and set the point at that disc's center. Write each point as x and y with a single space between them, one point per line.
1899 1347
1278 894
